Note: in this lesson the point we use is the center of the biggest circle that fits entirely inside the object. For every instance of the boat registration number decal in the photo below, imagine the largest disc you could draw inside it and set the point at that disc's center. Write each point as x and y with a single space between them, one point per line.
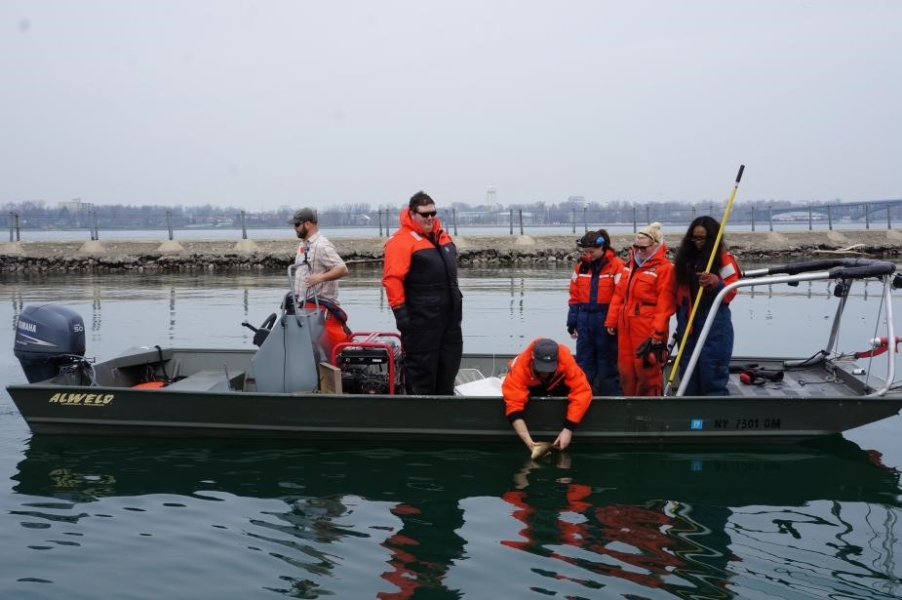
747 424
82 399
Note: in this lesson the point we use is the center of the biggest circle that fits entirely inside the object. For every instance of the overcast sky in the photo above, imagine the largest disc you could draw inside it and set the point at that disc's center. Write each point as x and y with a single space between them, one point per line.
269 103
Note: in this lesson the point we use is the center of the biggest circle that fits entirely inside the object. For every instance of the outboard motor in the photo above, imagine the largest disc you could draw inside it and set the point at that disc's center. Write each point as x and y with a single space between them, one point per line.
48 338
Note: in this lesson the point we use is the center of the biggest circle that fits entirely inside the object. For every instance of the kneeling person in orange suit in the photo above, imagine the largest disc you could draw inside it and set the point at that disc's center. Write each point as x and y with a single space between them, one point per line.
545 368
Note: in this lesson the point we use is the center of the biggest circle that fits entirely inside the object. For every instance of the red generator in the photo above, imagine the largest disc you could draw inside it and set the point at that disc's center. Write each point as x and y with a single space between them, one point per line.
370 362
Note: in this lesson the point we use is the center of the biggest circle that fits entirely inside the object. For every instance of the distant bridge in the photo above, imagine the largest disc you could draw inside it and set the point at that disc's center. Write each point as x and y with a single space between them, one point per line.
846 211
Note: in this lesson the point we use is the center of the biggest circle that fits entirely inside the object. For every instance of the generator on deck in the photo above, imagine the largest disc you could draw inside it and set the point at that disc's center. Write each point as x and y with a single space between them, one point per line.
370 362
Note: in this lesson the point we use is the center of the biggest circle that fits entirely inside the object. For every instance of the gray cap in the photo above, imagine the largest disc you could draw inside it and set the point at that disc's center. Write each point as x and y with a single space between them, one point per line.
303 214
544 356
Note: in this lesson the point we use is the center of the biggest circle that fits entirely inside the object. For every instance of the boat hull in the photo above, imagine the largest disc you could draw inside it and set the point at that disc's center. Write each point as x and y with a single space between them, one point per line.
246 393
110 411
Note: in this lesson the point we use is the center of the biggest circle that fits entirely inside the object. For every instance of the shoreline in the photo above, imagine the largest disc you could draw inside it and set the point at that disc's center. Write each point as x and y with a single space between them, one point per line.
474 250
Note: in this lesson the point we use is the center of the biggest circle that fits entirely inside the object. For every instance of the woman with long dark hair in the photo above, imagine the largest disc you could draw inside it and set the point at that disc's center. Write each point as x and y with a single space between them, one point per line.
712 371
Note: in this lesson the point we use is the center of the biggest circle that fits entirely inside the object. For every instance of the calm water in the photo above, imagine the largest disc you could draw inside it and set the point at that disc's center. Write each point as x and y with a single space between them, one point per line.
186 519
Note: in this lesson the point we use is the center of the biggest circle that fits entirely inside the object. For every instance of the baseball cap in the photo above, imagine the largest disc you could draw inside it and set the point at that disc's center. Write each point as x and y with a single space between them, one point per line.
303 214
544 356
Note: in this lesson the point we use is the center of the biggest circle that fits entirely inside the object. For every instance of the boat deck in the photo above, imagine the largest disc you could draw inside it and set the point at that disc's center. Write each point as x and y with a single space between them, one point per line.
230 371
795 384
825 379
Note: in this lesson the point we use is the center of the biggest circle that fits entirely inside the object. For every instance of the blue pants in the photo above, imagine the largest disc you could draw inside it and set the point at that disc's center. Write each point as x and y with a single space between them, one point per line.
712 371
596 352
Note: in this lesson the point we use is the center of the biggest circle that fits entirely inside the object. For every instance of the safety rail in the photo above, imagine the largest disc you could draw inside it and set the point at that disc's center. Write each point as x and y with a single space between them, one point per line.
841 269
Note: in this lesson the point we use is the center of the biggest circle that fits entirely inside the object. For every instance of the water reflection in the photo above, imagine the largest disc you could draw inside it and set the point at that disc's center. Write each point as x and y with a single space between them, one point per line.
399 521
655 544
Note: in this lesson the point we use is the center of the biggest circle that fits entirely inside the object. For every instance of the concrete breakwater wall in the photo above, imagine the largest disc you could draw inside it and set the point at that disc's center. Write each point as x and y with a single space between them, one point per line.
513 250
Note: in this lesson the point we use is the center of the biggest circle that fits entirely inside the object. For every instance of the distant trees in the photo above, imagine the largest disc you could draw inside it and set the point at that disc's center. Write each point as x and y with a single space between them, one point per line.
77 215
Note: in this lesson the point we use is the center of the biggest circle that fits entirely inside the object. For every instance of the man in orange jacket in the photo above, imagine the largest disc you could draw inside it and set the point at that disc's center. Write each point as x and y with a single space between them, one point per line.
545 368
419 273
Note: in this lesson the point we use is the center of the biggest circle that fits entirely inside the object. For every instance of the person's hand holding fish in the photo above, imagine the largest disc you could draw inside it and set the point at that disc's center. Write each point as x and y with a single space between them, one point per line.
540 449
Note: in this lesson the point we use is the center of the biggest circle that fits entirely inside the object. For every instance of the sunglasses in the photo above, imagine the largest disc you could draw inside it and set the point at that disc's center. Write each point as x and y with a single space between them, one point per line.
699 238
639 248
427 214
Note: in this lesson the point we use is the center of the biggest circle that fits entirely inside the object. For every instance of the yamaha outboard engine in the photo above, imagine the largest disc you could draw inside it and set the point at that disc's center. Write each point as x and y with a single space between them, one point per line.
48 337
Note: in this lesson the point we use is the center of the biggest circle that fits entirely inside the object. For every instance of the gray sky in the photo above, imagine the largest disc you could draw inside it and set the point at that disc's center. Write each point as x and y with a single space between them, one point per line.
270 103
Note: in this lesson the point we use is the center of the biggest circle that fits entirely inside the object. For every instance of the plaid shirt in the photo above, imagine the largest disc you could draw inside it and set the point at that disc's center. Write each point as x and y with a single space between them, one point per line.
316 255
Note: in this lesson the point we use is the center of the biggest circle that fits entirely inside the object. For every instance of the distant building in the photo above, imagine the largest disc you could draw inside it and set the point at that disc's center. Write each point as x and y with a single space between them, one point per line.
798 215
76 205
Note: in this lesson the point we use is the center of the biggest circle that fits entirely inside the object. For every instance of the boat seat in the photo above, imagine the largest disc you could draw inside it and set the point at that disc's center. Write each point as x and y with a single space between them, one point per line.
137 365
134 357
467 376
471 382
209 381
489 386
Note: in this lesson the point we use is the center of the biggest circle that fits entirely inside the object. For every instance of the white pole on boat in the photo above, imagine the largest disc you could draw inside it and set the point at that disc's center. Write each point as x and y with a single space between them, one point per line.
718 299
698 297
891 336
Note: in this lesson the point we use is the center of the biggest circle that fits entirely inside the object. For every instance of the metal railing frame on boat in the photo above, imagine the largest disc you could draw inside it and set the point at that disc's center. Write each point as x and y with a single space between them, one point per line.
294 299
300 308
847 269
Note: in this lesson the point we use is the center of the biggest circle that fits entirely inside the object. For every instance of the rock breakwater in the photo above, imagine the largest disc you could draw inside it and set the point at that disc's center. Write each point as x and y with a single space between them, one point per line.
510 250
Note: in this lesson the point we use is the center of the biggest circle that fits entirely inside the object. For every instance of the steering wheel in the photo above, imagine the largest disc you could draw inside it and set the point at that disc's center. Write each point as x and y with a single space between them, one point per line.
269 322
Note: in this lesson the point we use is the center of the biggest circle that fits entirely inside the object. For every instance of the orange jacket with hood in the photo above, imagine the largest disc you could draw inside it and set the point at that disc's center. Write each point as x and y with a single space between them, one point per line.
420 263
644 300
